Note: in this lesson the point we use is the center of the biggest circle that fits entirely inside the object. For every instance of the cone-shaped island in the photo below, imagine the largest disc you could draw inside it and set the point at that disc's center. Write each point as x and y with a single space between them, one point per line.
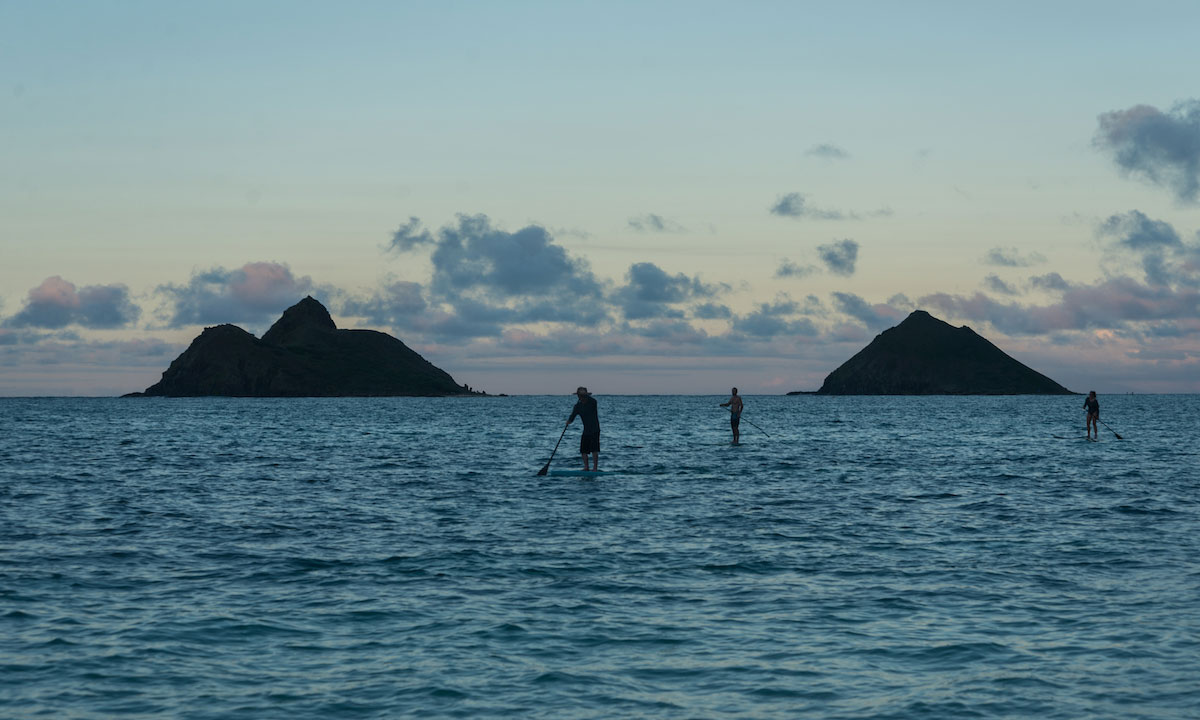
304 354
926 356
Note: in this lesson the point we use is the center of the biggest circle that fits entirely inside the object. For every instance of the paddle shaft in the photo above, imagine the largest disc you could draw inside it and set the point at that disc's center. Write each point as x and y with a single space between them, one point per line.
1114 432
546 468
764 432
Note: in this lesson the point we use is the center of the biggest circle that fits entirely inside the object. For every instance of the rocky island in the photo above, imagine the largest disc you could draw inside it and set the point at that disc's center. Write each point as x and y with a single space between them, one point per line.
304 354
926 356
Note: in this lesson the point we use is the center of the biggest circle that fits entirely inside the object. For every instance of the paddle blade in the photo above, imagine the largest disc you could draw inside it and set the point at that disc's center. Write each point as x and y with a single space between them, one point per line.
545 469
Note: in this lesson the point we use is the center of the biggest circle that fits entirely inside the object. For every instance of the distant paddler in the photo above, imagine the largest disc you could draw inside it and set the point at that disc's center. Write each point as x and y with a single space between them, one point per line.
734 404
1092 405
589 442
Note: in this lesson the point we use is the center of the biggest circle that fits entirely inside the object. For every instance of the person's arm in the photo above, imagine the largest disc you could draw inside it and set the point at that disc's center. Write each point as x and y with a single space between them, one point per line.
574 412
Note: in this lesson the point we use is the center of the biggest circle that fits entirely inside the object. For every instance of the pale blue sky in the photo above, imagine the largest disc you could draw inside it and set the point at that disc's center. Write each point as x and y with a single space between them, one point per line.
191 160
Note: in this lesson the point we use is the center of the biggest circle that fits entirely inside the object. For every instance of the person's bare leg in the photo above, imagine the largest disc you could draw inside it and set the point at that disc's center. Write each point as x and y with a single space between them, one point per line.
585 462
596 461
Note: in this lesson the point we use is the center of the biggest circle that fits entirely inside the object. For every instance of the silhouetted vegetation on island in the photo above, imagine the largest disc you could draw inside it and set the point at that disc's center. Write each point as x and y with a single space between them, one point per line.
926 356
304 354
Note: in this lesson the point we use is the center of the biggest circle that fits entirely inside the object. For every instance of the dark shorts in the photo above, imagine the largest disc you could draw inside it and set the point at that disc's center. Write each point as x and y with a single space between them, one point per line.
735 419
589 443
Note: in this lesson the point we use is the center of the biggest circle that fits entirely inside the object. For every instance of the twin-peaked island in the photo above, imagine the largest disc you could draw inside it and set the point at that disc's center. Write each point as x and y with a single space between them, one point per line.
304 354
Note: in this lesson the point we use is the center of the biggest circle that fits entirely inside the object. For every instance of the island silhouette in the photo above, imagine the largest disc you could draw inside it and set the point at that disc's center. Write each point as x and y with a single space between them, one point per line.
304 354
927 356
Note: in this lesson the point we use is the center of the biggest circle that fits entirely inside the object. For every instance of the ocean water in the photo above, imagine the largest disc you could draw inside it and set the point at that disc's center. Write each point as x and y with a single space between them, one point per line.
864 557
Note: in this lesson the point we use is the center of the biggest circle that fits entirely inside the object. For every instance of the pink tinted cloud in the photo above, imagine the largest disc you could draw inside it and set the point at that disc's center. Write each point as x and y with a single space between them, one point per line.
57 303
266 284
55 291
1108 304
255 292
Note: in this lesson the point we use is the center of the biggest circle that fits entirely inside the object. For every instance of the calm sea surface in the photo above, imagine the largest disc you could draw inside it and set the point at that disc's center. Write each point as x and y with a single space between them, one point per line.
374 558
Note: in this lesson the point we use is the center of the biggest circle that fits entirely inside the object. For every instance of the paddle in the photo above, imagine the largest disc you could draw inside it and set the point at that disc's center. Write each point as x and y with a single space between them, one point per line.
546 468
1114 432
764 432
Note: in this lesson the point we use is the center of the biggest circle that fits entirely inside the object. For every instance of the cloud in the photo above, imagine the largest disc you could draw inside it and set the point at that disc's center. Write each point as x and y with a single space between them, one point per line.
256 292
787 268
651 292
795 205
570 232
1111 303
670 339
827 151
655 223
774 319
1166 259
470 318
57 303
64 347
875 317
1137 232
1163 148
995 284
473 256
22 336
712 311
1011 257
397 304
410 236
1051 282
57 363
672 332
491 297
484 279
839 256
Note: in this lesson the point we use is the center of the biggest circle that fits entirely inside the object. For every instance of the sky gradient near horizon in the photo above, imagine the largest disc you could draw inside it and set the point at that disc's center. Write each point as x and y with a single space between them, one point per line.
636 197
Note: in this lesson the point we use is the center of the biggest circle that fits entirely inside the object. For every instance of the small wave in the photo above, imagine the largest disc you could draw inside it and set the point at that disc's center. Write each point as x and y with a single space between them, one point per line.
1143 510
778 693
1027 682
959 654
560 677
737 568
